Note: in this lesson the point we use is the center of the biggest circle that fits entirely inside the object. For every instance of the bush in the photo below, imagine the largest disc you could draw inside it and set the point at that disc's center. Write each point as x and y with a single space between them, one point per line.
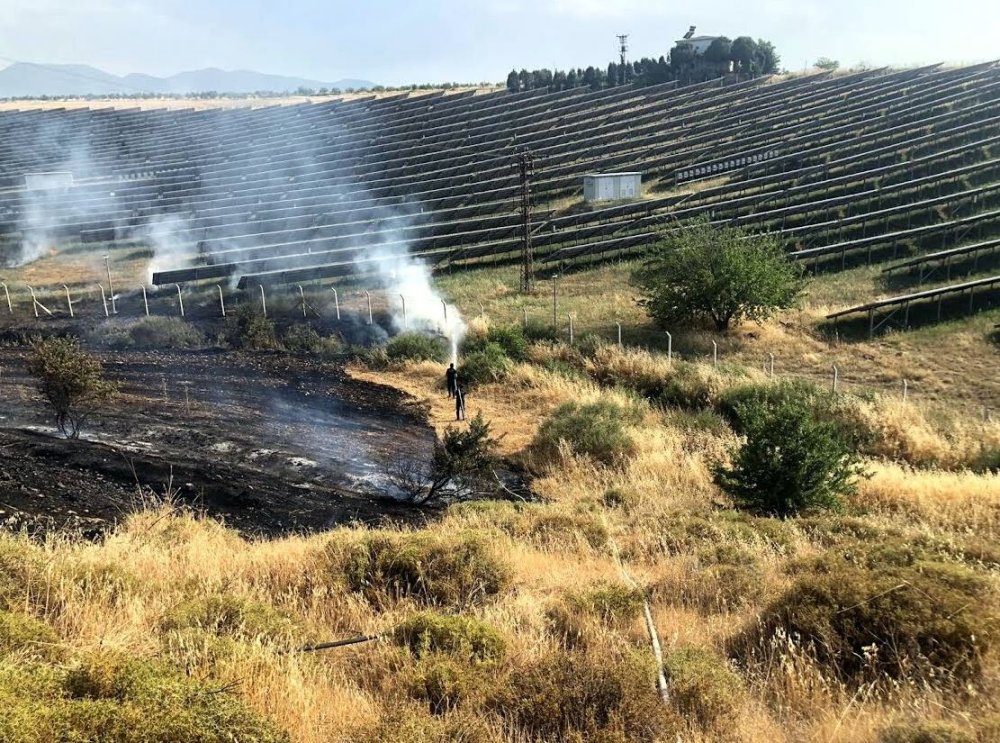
429 632
536 330
686 387
110 698
432 569
510 339
595 430
613 604
443 683
26 635
702 686
71 381
717 588
586 696
155 333
416 347
790 462
302 338
227 614
885 612
20 568
490 364
249 330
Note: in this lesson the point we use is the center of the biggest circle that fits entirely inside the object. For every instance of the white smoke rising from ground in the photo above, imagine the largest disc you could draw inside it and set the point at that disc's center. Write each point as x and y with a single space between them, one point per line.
408 281
166 236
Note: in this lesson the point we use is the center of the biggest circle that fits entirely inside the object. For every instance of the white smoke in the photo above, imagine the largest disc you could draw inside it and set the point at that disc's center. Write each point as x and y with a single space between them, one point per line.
167 235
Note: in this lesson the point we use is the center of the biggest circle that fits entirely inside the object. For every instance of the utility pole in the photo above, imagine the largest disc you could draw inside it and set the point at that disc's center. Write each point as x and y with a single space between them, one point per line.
526 169
623 49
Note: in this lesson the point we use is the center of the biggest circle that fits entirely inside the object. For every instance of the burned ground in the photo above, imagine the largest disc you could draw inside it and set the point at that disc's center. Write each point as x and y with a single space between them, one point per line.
271 443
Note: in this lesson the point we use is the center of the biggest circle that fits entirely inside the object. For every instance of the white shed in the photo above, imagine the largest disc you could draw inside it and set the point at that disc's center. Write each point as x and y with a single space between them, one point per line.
48 181
612 186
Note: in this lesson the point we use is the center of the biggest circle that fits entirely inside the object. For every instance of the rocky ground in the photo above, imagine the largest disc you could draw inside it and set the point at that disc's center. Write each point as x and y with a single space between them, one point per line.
270 443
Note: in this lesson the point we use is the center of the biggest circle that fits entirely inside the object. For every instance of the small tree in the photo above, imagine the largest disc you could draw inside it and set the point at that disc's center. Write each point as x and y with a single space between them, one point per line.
825 63
462 466
789 462
71 381
723 274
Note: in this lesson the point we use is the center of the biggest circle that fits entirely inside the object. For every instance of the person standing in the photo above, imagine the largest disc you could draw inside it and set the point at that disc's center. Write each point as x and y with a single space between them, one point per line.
459 403
452 378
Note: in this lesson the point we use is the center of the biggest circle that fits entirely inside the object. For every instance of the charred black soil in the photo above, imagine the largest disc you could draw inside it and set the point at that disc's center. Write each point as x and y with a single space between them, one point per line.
270 443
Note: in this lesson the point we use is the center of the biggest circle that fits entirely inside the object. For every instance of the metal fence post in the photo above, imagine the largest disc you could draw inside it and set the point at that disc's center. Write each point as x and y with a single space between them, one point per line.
715 353
906 389
104 300
336 301
222 299
619 334
263 299
69 301
570 318
180 298
836 378
670 349
403 300
145 299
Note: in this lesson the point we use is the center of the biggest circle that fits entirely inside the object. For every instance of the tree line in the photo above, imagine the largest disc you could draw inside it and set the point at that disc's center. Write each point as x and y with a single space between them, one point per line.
743 56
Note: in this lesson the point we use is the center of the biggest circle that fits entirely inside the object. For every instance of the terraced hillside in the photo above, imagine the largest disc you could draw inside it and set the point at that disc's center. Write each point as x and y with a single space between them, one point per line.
879 165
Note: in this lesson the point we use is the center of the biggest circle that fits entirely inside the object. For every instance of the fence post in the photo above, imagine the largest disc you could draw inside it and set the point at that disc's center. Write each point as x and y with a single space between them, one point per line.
34 302
145 299
715 353
111 286
222 299
619 334
444 306
403 300
336 301
555 320
10 307
670 349
570 318
836 378
906 389
104 300
180 298
525 310
369 296
69 301
302 297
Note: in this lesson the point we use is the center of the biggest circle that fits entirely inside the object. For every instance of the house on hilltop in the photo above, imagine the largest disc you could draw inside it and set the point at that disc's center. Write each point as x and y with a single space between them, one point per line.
698 44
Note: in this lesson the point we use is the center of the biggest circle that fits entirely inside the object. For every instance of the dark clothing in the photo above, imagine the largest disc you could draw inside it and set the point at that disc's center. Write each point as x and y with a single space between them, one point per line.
452 376
459 404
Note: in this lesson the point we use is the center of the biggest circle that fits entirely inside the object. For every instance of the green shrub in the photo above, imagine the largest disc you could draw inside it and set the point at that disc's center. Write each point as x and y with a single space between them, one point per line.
227 614
26 635
490 364
840 411
554 528
152 334
595 430
443 683
586 696
432 569
926 732
702 686
536 330
430 632
413 346
511 340
614 604
685 387
247 329
887 611
302 338
790 462
70 380
617 498
406 723
110 698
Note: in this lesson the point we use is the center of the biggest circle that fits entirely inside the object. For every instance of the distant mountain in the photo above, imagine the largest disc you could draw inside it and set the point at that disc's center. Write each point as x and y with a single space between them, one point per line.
23 79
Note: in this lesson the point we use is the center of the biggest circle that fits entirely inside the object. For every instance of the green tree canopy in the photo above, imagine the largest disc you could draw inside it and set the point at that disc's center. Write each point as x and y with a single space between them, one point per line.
723 274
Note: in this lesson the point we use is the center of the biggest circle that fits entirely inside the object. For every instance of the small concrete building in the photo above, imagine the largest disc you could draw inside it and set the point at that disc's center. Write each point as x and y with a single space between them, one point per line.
612 186
699 44
48 181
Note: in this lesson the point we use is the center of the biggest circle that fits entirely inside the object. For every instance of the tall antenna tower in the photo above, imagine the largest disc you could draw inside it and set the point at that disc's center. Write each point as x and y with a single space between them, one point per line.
525 164
623 50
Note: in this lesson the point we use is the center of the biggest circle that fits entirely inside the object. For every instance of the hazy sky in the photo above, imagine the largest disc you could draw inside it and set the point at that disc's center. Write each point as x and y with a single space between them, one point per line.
393 41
